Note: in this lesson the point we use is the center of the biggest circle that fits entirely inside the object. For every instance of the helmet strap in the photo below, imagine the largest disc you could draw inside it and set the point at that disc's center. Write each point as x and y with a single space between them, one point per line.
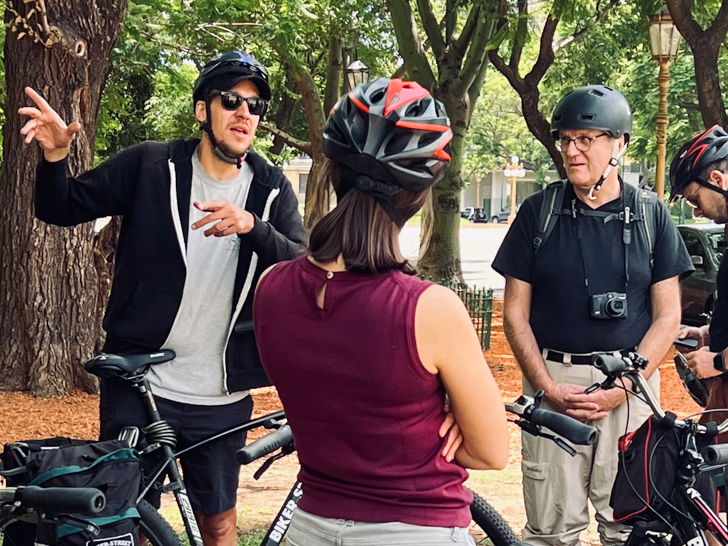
206 126
380 191
617 154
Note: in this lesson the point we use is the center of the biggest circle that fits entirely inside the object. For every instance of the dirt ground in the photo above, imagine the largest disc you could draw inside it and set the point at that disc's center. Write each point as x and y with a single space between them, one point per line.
24 417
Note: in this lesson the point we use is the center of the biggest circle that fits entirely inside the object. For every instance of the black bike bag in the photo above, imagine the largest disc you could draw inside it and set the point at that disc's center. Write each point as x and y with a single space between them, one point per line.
647 466
109 466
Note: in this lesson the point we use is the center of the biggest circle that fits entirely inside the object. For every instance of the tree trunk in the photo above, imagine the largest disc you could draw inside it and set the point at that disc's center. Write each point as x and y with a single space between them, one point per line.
707 81
50 287
441 260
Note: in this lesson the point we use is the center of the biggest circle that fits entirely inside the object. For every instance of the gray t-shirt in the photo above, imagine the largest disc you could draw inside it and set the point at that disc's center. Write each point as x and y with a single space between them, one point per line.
200 329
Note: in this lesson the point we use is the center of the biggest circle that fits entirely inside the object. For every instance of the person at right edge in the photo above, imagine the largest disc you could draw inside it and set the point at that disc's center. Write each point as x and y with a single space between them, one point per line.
699 174
604 281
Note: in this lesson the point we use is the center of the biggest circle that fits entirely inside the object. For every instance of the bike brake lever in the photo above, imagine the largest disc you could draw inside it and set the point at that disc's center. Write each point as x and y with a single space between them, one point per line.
75 522
266 465
596 386
535 430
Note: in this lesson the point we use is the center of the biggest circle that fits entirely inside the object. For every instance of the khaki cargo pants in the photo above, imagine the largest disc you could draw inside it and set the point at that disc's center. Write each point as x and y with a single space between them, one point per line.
556 486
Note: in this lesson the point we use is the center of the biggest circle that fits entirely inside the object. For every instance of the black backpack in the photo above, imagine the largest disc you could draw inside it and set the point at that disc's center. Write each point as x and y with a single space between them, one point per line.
642 211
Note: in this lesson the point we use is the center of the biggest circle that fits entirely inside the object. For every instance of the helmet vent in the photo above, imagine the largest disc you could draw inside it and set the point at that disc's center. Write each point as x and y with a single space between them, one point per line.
377 96
597 92
397 144
359 127
586 117
427 139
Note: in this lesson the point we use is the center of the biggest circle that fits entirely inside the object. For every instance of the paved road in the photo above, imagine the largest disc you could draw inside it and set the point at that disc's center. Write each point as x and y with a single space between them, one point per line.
478 246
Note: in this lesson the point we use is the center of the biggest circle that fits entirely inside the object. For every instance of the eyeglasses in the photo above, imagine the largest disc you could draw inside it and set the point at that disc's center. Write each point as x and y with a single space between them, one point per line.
232 102
582 143
691 201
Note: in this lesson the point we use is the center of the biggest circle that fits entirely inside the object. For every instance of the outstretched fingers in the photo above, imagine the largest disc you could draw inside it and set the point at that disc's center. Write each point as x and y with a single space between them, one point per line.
40 102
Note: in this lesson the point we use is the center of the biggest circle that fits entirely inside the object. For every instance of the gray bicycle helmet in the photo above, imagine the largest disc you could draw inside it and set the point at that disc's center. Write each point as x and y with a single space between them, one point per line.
593 107
694 156
391 132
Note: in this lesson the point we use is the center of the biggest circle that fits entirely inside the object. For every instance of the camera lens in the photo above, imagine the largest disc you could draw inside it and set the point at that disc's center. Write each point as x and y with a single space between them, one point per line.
614 307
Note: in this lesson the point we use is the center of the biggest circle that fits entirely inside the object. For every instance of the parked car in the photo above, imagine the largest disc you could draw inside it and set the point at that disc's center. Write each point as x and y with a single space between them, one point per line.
474 215
705 244
503 215
479 216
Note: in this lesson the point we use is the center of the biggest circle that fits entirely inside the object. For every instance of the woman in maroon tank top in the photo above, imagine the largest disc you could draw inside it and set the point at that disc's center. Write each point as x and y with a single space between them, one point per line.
365 355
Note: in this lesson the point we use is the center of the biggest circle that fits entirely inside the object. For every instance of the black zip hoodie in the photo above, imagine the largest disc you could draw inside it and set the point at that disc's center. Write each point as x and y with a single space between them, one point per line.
149 185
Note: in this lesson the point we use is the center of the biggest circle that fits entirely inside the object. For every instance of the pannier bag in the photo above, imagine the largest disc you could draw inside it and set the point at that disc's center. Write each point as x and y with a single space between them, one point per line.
648 462
109 466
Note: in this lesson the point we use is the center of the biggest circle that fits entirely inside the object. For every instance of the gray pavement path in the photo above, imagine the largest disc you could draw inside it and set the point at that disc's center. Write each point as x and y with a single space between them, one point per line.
478 246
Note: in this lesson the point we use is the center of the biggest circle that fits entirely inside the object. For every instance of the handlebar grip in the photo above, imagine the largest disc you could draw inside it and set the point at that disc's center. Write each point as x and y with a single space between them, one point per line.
563 425
717 454
608 364
62 500
265 445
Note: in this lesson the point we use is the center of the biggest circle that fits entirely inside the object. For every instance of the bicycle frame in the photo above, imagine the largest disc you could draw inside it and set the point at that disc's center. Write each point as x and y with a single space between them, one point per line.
169 465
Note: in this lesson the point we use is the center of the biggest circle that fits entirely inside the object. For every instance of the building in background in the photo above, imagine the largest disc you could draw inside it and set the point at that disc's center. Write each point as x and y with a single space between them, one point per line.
297 173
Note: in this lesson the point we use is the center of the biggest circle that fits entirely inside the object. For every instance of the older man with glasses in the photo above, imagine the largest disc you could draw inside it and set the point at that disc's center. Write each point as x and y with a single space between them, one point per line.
201 220
602 278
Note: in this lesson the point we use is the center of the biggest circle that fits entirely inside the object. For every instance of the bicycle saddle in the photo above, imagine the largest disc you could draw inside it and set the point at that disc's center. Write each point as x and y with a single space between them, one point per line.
108 366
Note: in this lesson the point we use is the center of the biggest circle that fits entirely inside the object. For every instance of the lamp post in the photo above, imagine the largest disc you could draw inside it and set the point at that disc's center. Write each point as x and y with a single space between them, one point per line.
664 43
357 73
514 171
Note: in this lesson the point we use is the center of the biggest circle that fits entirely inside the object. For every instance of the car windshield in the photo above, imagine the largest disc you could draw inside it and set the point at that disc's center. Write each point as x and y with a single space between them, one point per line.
717 241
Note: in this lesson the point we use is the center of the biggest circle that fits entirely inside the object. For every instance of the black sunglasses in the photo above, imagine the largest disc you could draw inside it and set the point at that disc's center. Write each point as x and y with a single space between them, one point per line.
232 101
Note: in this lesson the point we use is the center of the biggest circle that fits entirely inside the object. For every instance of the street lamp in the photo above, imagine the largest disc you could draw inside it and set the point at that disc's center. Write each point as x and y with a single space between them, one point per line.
664 43
357 73
514 171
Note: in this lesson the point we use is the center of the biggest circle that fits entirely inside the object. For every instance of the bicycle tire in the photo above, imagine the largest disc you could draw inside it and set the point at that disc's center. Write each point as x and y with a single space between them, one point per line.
155 527
492 523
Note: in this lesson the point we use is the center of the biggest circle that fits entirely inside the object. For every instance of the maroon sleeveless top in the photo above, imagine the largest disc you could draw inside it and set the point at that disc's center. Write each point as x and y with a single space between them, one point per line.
364 411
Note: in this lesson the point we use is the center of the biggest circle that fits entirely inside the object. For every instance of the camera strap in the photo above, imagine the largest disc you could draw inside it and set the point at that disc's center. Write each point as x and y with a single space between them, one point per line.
626 216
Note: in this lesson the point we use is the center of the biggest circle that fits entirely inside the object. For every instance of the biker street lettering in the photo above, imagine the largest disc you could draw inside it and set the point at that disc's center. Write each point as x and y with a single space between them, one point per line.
122 540
284 519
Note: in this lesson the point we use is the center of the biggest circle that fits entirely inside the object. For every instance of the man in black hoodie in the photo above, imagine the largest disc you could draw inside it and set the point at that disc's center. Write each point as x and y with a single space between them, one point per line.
200 221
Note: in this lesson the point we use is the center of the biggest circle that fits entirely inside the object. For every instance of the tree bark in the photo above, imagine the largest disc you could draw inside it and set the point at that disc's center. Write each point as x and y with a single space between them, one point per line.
50 286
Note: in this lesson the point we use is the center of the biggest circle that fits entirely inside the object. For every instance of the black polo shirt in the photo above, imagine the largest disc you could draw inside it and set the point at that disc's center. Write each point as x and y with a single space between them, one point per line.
560 305
719 319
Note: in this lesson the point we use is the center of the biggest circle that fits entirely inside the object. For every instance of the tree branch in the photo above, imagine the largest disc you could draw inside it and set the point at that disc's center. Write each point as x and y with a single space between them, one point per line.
598 16
333 81
451 18
519 40
477 52
545 54
418 67
688 27
512 76
432 28
293 142
461 44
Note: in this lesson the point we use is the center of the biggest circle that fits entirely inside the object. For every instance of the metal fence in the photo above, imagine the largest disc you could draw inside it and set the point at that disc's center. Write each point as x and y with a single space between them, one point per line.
479 302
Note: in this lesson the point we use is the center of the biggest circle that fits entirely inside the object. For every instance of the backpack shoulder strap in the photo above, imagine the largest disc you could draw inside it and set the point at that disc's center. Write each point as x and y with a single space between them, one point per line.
644 202
551 206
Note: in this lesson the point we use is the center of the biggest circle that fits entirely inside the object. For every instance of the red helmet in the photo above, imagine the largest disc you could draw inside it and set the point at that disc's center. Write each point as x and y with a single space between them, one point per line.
392 131
694 156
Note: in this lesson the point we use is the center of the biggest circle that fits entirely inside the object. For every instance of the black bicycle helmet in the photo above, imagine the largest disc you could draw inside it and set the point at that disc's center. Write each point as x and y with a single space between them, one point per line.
593 107
392 132
228 69
694 156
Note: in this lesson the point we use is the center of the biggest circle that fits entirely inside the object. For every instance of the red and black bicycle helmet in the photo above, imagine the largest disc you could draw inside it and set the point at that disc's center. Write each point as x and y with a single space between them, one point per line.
391 131
694 156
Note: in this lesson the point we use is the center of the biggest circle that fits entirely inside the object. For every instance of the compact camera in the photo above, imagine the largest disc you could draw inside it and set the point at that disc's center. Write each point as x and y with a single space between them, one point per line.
612 305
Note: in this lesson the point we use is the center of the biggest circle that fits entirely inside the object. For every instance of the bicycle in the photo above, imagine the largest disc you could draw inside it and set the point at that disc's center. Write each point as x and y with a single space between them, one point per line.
160 438
685 516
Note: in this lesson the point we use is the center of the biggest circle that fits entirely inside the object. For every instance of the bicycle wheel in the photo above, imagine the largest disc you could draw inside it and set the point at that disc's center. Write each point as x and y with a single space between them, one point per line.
155 527
492 523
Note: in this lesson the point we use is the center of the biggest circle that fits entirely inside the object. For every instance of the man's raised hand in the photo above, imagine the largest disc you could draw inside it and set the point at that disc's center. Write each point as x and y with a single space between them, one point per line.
47 127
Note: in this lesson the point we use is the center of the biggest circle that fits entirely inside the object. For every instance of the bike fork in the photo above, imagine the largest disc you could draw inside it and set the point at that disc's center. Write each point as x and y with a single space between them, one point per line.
280 524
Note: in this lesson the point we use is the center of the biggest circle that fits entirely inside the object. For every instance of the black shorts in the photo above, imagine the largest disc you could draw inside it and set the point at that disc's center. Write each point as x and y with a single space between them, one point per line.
210 471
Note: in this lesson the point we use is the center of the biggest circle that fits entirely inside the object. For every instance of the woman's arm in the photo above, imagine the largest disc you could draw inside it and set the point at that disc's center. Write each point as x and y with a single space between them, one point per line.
448 346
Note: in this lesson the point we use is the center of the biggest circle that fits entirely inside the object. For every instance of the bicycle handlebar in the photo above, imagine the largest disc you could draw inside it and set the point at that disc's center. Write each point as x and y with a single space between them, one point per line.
563 425
58 500
629 366
265 445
